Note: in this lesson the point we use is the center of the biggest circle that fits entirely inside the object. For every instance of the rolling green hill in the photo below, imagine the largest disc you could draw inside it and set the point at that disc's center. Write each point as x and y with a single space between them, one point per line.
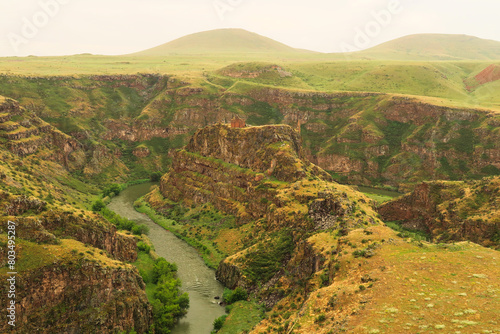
221 41
450 83
412 47
434 47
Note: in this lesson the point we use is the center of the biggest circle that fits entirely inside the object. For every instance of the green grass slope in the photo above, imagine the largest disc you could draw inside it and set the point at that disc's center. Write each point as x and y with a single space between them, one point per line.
439 82
434 47
221 41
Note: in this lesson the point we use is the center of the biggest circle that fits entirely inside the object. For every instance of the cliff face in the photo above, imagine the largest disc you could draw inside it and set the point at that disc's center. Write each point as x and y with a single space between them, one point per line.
71 275
71 271
261 177
451 211
248 172
367 138
95 232
75 293
275 150
27 134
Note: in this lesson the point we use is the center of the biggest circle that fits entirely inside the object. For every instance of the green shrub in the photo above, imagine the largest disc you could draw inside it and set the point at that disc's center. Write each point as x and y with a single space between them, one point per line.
123 223
143 247
320 318
163 269
219 322
98 205
237 294
407 233
490 170
155 177
112 190
168 303
140 229
325 278
144 275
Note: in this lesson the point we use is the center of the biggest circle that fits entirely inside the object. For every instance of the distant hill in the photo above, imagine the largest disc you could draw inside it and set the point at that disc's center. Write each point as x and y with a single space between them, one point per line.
412 47
221 41
435 47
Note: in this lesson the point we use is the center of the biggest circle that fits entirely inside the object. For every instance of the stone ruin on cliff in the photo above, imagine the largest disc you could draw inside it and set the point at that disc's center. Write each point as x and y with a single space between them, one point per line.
237 122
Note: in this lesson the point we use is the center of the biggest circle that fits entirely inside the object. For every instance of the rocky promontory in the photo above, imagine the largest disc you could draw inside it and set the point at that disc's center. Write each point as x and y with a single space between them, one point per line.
261 177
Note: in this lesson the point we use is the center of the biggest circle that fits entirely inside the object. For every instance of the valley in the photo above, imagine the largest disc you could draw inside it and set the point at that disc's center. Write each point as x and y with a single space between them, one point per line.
197 279
355 193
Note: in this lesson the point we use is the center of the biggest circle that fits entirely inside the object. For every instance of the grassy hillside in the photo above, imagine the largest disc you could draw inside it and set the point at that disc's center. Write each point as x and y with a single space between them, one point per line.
221 41
412 47
404 286
445 83
442 82
436 47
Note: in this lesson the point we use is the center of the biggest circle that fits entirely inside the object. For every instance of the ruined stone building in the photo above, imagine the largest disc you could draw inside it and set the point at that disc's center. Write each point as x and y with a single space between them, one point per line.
237 122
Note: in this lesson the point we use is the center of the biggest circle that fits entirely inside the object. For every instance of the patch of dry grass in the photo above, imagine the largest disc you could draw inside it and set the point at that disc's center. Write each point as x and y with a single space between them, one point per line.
405 287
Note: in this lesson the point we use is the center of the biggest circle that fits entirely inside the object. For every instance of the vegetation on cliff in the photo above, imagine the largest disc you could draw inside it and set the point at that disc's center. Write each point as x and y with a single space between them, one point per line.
313 252
451 211
72 264
124 125
162 288
71 272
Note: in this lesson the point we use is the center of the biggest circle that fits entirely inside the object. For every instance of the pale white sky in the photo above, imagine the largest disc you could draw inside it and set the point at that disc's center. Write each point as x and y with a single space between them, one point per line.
62 27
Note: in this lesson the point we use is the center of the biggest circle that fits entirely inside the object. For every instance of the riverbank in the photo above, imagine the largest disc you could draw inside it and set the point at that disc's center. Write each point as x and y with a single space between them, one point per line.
207 251
197 279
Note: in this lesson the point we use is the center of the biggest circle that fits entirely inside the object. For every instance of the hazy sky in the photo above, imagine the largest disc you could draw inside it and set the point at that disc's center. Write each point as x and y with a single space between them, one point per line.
61 27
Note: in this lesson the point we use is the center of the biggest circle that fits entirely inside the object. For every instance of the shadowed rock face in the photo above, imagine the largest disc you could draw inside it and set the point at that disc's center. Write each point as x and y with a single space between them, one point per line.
414 209
451 211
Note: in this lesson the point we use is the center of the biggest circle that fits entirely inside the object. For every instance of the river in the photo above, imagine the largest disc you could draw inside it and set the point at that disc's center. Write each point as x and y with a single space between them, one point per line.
197 279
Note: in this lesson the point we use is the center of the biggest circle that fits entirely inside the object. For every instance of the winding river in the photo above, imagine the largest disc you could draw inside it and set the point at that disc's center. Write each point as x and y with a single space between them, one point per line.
197 279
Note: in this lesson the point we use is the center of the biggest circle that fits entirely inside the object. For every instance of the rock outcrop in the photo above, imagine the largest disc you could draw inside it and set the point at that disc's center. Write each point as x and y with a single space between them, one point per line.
96 232
71 271
28 134
261 177
75 294
451 211
18 205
